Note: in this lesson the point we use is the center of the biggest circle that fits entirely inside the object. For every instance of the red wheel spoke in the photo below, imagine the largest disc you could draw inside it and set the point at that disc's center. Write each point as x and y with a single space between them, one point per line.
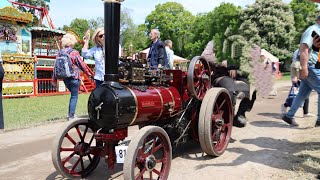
75 165
82 165
153 146
157 148
150 175
91 140
156 171
159 160
85 132
90 159
143 145
224 101
196 84
79 133
213 137
140 175
65 160
217 108
67 149
70 139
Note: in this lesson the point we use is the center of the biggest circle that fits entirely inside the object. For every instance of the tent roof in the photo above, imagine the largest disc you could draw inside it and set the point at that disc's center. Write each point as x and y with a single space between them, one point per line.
269 56
175 57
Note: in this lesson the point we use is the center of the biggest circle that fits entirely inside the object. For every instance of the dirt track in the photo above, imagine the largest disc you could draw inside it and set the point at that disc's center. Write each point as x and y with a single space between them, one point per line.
266 149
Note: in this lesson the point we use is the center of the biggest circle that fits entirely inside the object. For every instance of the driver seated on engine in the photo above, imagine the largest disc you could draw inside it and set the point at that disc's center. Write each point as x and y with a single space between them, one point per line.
237 84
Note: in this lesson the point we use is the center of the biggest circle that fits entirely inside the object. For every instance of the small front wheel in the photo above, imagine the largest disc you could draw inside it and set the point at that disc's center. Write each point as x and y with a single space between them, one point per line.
75 150
149 155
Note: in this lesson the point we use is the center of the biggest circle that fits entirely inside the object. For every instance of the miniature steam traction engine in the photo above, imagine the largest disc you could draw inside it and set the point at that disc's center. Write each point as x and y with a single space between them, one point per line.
170 106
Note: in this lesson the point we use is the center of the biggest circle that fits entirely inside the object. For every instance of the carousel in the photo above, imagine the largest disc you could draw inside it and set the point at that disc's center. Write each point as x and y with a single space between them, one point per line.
28 56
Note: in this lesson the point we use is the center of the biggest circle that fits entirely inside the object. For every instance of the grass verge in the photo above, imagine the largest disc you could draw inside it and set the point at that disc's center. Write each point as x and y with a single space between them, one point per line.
28 112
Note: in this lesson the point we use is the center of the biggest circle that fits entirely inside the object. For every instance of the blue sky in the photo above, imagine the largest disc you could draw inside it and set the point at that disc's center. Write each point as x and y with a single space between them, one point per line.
62 12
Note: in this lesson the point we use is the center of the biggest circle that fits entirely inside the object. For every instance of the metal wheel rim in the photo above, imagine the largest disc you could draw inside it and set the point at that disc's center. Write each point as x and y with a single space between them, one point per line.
214 135
146 147
79 150
197 81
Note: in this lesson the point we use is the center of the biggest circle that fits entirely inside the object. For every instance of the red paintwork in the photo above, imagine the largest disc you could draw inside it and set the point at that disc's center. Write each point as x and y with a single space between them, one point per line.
110 141
156 103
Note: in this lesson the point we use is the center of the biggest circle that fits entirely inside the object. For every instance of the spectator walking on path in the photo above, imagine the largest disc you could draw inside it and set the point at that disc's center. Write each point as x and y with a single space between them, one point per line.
170 53
309 75
295 68
72 83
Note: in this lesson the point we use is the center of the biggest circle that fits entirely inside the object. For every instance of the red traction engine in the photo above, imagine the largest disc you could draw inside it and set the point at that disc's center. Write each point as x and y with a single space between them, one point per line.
169 106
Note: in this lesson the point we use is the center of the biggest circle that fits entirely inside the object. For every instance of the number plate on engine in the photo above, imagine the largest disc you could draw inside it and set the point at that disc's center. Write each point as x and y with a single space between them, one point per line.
121 151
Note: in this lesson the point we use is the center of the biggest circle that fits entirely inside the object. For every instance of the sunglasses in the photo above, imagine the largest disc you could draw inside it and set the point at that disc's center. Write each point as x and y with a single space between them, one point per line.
101 35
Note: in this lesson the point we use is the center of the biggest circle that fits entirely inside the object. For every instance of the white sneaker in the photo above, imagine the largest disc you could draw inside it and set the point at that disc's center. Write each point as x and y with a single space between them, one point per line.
283 109
308 115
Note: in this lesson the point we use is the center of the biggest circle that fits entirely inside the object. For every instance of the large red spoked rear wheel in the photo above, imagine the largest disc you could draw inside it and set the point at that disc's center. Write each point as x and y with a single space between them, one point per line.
199 77
149 155
215 121
75 152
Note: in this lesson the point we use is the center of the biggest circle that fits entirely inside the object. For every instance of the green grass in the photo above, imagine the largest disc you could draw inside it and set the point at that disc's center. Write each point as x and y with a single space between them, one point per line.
28 112
286 76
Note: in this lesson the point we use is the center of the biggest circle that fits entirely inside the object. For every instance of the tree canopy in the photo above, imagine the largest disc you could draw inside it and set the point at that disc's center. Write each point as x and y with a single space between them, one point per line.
305 14
173 22
269 24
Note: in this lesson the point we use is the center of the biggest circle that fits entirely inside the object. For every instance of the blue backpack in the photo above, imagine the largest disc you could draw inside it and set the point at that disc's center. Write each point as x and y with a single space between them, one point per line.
63 67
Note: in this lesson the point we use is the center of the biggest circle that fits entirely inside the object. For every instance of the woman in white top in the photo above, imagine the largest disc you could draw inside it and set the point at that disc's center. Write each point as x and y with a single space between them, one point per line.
96 52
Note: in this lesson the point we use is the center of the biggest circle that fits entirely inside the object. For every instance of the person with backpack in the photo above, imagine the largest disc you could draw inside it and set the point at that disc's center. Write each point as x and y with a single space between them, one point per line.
67 67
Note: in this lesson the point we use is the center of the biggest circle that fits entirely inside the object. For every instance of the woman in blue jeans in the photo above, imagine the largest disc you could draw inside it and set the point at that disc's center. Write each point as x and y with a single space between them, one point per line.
73 83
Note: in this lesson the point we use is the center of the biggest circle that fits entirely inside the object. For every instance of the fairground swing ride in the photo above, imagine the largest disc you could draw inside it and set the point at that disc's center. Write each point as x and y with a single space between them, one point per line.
171 107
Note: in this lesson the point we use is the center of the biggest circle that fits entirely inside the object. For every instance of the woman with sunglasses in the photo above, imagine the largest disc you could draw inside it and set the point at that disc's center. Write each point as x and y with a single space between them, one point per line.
96 52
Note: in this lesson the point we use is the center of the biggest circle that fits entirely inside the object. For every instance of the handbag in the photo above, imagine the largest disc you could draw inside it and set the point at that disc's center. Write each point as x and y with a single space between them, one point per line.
295 66
293 94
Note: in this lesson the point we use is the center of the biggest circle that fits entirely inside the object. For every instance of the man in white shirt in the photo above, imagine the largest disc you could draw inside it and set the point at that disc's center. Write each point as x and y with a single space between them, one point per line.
170 53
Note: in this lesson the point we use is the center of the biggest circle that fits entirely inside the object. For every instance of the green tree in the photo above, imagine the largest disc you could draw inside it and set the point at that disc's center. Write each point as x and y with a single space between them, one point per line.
32 10
224 17
305 14
200 35
96 23
173 22
135 36
270 25
125 20
132 34
79 27
212 26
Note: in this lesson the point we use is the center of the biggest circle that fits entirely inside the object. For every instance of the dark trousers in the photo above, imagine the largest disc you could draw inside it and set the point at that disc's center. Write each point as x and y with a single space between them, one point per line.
1 108
305 106
98 82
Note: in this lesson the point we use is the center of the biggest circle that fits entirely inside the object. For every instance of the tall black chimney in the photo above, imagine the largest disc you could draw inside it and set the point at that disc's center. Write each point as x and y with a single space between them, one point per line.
112 32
